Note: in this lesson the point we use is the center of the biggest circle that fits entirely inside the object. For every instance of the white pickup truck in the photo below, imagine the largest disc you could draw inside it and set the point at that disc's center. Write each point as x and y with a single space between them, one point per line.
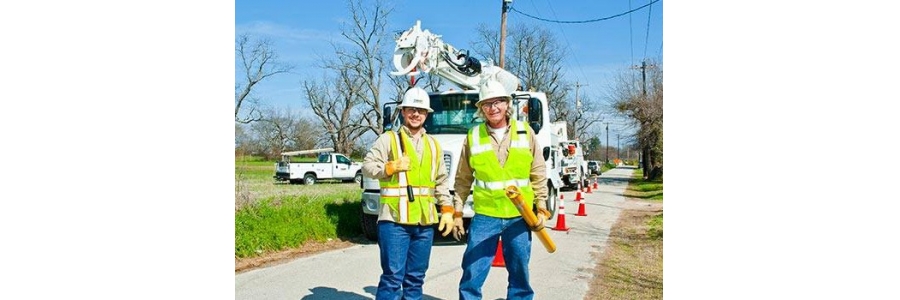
329 166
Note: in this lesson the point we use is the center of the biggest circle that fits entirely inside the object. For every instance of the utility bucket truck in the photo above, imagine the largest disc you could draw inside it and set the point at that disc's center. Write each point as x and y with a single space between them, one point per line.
455 112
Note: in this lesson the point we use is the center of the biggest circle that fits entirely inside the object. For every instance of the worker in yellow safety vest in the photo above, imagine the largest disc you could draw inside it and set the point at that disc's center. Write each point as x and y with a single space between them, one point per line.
499 153
404 162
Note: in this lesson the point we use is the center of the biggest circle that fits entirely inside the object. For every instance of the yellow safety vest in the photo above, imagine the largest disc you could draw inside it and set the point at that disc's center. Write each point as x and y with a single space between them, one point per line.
421 176
491 180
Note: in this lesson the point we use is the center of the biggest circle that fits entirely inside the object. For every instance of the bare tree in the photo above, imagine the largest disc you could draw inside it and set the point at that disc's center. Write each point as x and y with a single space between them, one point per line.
536 58
279 131
272 132
349 101
259 61
642 102
584 118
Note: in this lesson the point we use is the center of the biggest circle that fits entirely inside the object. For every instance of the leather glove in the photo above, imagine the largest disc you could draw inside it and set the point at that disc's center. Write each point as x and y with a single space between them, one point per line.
542 216
446 222
394 166
545 213
458 230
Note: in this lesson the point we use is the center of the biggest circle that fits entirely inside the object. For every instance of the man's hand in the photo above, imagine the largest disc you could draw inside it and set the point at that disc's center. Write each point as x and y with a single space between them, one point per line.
542 216
446 222
394 166
458 230
544 212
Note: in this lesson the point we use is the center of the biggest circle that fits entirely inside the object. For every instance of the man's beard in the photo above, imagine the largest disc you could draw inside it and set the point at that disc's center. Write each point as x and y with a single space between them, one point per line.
409 125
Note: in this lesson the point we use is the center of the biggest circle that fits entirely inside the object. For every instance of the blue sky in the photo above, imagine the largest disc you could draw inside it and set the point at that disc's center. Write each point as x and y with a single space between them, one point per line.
302 30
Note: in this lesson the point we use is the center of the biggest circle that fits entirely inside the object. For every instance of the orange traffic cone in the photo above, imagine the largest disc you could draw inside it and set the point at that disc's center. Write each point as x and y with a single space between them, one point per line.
589 189
498 257
595 183
580 205
561 216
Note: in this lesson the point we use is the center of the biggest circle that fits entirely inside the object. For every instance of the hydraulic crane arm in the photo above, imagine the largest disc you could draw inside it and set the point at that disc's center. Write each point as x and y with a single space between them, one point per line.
422 51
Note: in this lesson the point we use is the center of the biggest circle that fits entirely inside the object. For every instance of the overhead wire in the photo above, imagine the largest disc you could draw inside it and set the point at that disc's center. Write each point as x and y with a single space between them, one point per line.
647 36
569 45
584 21
631 38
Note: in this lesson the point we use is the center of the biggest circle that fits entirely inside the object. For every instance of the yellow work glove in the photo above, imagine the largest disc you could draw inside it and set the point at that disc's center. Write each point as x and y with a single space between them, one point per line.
458 230
394 166
446 222
542 215
544 212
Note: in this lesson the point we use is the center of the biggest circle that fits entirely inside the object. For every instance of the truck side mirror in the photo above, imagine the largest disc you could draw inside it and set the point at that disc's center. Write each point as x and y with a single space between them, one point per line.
386 117
546 152
535 117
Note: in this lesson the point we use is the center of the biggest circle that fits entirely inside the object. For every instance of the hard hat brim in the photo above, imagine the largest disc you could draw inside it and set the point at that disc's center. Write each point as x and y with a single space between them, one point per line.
413 106
481 102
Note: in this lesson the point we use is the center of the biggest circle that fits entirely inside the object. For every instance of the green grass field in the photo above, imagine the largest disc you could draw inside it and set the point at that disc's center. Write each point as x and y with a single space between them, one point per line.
273 216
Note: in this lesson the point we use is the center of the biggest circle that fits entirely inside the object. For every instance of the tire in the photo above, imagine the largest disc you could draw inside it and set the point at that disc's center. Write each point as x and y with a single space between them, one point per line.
309 179
369 225
358 178
552 201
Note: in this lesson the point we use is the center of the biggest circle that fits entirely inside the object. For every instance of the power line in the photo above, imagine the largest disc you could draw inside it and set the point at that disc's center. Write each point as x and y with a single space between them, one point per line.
630 34
647 36
568 44
584 21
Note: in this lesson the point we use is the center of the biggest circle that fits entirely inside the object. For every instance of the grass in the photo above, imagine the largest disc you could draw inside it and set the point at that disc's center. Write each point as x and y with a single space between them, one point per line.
643 189
632 265
272 216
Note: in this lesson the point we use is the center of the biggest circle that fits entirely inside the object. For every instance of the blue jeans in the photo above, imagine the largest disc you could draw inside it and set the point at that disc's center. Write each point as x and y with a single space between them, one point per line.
405 251
483 234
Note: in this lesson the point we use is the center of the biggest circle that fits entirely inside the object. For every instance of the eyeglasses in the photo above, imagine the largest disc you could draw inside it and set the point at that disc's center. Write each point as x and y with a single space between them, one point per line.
411 110
495 103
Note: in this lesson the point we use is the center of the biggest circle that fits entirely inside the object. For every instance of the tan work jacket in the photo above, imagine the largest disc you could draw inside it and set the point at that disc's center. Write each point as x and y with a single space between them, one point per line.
380 153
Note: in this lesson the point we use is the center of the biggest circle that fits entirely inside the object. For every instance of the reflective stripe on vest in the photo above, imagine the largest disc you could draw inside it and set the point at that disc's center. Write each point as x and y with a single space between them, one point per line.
491 179
421 176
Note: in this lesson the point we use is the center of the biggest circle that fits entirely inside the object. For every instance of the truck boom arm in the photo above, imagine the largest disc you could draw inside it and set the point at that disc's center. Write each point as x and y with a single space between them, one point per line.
422 51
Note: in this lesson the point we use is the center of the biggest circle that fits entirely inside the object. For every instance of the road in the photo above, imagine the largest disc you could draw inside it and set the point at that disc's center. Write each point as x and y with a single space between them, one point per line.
352 273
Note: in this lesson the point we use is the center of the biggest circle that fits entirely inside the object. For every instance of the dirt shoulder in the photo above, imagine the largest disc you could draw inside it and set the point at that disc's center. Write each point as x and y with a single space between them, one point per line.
631 265
274 258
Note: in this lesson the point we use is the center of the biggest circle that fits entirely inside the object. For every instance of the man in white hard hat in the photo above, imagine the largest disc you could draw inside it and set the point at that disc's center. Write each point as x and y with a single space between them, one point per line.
405 224
496 154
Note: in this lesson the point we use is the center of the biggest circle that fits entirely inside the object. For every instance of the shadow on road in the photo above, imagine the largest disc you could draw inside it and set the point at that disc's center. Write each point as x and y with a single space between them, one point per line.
327 293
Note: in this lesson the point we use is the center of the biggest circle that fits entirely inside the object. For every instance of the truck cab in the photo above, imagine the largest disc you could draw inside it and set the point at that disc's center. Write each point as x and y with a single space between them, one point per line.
574 167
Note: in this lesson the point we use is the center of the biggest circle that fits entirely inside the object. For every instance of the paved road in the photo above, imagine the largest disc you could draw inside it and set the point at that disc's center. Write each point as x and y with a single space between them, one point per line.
352 273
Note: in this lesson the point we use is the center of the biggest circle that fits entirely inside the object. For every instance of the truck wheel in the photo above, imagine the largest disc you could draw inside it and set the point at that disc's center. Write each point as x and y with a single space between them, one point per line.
358 178
309 179
369 225
552 201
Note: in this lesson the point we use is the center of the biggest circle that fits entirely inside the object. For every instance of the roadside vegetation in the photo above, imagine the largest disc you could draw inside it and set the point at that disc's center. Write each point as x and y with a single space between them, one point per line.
632 265
270 216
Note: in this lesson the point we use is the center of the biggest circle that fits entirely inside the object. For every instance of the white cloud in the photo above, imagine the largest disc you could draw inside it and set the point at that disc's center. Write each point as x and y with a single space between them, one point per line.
280 32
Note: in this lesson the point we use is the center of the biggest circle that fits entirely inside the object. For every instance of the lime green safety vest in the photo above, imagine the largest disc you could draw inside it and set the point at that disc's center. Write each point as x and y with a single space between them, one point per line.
491 180
421 176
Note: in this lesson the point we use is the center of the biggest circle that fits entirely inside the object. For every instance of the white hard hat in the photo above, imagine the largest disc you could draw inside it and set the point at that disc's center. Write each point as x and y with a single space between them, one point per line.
491 89
416 97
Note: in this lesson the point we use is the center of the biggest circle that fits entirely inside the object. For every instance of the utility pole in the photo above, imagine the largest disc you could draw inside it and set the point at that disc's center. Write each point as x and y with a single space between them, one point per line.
607 142
645 149
577 111
503 11
618 149
643 67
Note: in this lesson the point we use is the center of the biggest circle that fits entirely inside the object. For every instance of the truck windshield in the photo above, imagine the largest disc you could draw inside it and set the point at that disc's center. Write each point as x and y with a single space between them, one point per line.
453 113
